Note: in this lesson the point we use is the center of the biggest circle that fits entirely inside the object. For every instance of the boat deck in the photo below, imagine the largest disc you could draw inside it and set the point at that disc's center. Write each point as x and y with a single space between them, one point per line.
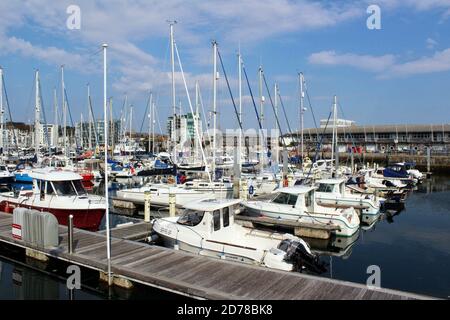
193 275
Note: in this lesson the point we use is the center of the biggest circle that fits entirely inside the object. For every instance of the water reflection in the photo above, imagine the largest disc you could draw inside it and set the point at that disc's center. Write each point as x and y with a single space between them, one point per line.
336 246
20 282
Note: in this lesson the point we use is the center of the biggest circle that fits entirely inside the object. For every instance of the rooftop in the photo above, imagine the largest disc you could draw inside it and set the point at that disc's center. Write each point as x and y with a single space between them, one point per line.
400 128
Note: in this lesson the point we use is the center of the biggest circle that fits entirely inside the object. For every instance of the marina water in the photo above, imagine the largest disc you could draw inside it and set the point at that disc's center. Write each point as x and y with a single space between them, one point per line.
411 247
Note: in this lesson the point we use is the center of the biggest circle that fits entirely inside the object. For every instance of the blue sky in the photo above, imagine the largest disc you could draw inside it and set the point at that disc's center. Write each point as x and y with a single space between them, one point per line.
399 74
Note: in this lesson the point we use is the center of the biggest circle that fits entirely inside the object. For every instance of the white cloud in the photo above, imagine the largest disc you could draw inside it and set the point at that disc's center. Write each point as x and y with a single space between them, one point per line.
125 25
431 43
385 66
364 62
438 62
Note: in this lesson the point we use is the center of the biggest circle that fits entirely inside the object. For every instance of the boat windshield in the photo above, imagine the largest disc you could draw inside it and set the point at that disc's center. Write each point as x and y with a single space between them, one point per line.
79 187
191 217
64 188
325 187
69 188
285 198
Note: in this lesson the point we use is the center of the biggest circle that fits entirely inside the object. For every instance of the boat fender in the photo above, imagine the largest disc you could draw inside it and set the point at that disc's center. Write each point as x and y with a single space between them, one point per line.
251 190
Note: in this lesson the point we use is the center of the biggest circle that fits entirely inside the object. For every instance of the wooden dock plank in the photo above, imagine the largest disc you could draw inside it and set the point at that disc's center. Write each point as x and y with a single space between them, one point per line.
190 267
278 289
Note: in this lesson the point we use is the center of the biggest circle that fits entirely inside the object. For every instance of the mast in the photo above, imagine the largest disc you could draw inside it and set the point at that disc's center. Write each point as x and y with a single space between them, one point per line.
196 116
37 114
276 124
302 112
90 116
261 112
81 131
131 120
174 103
240 108
56 128
261 97
123 120
214 109
153 127
64 106
334 139
112 127
2 112
150 120
105 116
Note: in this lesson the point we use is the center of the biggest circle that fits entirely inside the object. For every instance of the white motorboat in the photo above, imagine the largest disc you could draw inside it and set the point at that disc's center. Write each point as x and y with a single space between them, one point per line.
60 193
411 170
207 228
299 204
332 192
159 194
376 180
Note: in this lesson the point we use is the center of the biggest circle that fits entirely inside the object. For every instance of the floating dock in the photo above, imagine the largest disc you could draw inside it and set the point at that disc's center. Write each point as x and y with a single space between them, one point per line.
188 274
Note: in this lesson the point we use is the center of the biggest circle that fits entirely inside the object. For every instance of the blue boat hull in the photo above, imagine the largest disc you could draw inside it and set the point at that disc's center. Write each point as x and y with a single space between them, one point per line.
23 178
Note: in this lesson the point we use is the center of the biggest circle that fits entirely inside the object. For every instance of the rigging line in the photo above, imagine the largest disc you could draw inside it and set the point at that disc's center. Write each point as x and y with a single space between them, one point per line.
70 115
158 85
351 136
319 144
9 112
285 115
253 99
143 119
204 120
273 107
229 90
311 107
121 117
257 115
157 119
94 121
45 119
192 111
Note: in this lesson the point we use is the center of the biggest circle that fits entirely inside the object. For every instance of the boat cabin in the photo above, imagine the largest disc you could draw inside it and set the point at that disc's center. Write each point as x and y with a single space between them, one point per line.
302 197
209 215
57 183
336 186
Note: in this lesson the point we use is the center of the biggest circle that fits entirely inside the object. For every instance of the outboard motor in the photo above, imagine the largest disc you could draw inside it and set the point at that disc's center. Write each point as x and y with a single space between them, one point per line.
299 254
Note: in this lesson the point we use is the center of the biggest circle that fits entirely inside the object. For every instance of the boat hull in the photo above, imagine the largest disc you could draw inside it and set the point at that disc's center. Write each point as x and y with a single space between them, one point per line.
23 178
88 219
364 205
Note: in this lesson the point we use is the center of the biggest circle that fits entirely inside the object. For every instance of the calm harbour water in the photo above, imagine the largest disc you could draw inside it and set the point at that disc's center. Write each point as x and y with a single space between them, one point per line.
411 247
